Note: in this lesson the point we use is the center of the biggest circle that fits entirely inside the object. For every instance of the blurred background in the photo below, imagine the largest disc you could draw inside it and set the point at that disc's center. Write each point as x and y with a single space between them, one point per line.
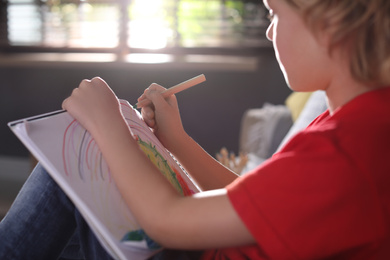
48 46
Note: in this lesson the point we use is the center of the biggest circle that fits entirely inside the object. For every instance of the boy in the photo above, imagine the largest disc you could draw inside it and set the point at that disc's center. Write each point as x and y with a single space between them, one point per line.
324 195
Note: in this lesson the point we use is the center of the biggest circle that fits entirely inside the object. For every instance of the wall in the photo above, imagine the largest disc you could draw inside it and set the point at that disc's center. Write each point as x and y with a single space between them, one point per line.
211 112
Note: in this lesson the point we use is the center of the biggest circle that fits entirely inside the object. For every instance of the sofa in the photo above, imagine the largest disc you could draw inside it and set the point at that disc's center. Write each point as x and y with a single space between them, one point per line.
265 130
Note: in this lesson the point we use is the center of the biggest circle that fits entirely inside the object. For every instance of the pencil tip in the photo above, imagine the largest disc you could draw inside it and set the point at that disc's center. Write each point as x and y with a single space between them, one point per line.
135 106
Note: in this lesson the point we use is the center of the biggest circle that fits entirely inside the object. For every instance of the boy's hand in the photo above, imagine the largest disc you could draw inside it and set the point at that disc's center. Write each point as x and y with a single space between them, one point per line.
94 105
162 116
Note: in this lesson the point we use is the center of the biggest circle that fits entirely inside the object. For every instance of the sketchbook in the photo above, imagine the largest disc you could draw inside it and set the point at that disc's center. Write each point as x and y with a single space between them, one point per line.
73 159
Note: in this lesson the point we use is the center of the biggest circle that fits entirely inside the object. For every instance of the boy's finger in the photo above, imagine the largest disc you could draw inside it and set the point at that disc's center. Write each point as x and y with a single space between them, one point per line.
152 87
147 112
157 98
155 86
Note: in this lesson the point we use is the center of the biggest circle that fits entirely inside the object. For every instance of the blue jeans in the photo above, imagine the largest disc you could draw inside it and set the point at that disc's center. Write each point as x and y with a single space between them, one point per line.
44 224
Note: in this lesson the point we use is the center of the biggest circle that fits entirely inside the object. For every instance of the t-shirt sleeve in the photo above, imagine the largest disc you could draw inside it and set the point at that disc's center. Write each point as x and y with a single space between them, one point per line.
307 201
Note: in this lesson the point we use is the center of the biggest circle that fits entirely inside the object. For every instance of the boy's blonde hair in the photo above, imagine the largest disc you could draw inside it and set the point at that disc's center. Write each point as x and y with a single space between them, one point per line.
360 27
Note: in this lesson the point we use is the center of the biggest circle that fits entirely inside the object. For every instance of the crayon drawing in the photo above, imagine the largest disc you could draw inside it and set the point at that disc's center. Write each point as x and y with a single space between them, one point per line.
157 153
85 169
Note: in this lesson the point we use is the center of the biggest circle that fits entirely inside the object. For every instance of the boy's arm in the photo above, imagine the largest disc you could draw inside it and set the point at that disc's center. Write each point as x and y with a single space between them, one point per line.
203 221
207 172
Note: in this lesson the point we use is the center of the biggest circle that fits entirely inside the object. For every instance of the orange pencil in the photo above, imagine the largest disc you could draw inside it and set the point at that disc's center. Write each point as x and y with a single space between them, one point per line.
175 89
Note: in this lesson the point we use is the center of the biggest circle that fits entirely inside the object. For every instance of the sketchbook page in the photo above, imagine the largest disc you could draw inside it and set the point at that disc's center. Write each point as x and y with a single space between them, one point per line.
74 161
84 177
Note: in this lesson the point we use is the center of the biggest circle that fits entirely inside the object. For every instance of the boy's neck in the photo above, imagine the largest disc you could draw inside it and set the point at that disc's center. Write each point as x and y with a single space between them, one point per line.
342 93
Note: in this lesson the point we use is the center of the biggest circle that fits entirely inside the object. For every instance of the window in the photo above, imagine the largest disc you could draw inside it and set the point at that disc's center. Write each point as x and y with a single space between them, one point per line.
128 26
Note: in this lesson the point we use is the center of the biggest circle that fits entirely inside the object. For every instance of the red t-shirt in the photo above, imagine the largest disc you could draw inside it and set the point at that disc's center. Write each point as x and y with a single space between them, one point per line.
326 194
